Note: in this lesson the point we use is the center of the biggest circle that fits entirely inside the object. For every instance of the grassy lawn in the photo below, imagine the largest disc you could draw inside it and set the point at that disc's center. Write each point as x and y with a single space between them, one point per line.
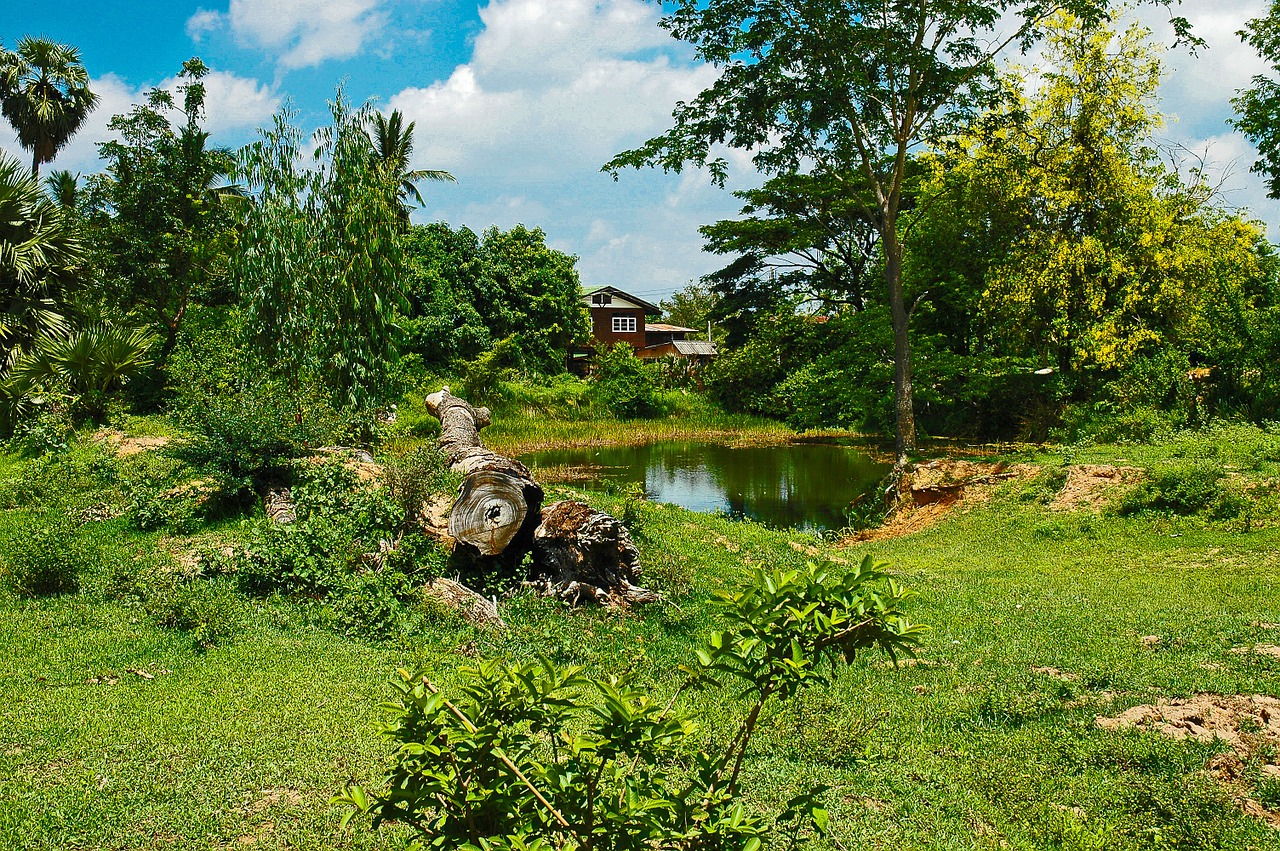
241 744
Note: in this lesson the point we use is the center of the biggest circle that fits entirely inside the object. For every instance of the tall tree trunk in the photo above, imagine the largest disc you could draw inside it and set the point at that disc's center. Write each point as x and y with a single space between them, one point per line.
35 163
904 405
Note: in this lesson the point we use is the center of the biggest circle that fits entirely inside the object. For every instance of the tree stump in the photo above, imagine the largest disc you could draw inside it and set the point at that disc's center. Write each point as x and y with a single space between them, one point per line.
584 555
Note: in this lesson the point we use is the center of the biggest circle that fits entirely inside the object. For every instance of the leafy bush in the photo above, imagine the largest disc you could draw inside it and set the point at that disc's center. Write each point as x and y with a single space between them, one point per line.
624 384
44 555
530 756
249 437
348 552
1185 488
47 433
209 610
412 474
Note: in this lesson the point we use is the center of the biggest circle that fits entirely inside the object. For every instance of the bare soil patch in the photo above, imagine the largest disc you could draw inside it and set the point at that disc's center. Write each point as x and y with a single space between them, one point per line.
124 446
931 491
1248 724
1092 486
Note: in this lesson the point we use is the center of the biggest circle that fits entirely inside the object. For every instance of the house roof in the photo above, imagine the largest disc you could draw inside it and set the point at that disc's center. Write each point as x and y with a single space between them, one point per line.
695 347
662 326
650 309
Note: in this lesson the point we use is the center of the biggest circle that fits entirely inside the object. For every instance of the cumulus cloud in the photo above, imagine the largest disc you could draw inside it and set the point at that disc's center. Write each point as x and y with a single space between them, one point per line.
233 104
552 90
301 33
552 87
203 22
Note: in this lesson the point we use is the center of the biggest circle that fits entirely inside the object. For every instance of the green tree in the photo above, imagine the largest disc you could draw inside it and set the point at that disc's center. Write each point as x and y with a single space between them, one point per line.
540 295
320 262
1258 106
802 235
692 306
466 291
1105 254
162 214
63 189
45 95
843 89
392 142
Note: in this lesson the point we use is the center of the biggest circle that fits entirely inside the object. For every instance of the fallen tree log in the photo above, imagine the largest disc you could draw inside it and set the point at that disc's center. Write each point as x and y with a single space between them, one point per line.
499 502
580 555
474 609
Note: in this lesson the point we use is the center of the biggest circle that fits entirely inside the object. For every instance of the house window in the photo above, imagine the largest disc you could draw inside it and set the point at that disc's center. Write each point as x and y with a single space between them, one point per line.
601 299
624 324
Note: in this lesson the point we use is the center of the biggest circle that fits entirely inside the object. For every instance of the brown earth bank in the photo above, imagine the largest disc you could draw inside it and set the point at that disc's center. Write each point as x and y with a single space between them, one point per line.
930 491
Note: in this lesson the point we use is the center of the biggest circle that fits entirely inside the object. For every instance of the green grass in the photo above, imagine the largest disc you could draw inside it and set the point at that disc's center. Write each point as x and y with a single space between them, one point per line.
242 743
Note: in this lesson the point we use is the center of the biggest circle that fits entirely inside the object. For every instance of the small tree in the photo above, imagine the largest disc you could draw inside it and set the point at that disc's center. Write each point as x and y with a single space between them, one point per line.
529 756
320 260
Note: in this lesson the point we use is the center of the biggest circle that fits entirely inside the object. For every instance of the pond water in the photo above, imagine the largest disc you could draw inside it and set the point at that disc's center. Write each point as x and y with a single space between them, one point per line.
801 486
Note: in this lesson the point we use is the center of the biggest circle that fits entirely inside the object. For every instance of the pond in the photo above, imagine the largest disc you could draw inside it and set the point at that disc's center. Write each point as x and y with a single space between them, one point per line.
800 486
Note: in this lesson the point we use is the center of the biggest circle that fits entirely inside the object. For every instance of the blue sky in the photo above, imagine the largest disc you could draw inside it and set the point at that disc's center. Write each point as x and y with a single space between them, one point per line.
522 100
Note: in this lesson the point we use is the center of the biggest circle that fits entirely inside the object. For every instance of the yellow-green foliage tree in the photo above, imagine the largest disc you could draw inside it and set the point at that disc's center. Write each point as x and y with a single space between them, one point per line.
1079 244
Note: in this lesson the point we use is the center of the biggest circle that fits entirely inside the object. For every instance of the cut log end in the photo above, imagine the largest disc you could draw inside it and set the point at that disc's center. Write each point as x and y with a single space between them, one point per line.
490 511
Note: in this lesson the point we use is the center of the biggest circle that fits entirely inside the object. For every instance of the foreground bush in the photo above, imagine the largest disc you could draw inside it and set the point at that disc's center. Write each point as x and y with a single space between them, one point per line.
533 756
44 555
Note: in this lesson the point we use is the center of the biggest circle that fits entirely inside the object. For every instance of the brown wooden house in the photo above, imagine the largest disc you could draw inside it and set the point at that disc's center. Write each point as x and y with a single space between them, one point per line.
617 316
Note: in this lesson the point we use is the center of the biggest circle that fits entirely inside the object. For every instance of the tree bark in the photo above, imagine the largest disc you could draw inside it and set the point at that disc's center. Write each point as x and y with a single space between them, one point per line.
587 555
904 404
473 608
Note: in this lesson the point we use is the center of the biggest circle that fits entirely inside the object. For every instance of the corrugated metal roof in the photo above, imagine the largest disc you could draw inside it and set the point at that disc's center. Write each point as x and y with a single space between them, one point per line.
662 326
695 347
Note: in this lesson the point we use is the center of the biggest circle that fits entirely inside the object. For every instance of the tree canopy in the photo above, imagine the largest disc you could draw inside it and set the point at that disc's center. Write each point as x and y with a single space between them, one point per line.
839 89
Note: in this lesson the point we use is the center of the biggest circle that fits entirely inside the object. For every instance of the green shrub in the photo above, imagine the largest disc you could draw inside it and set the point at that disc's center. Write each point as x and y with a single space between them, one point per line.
248 438
624 384
47 433
45 554
529 756
1184 488
209 610
412 474
348 554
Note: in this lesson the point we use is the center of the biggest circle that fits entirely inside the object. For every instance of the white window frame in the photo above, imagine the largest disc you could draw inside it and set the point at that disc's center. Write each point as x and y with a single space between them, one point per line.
623 324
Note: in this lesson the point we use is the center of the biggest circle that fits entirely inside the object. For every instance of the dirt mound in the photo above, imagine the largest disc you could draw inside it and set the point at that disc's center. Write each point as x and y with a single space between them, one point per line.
1090 486
1249 725
930 491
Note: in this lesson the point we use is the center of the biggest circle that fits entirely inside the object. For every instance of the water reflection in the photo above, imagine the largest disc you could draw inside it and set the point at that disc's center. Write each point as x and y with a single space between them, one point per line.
803 486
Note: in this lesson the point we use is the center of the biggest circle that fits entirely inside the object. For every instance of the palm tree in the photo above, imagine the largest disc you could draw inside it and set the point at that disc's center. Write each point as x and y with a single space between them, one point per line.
38 253
63 188
393 146
44 92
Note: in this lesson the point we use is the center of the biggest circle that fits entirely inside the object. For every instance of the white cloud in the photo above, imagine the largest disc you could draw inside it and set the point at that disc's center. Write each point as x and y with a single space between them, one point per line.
300 33
203 22
551 92
232 104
